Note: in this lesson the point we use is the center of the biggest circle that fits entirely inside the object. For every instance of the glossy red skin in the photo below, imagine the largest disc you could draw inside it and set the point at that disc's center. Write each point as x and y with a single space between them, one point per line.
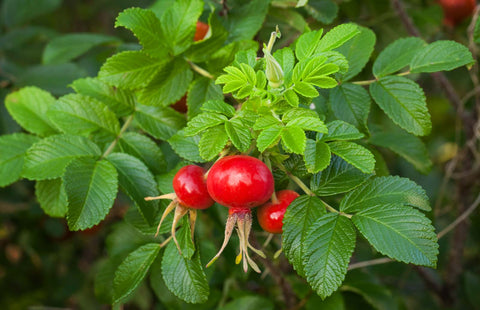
270 215
190 187
201 31
240 182
456 10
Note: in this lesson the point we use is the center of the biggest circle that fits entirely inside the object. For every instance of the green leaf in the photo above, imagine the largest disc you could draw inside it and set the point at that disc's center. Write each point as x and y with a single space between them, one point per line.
212 142
286 60
337 37
218 106
328 245
476 32
186 147
239 134
184 277
340 130
28 107
91 188
396 56
53 78
307 43
266 122
406 145
145 149
202 122
269 137
294 139
118 100
240 80
385 190
354 154
78 114
339 177
441 55
244 22
358 51
249 302
292 98
161 123
137 182
308 123
132 270
52 197
301 214
404 102
201 51
17 12
179 23
305 89
201 91
168 85
317 156
130 69
324 11
12 156
67 47
48 158
400 232
315 71
292 114
146 27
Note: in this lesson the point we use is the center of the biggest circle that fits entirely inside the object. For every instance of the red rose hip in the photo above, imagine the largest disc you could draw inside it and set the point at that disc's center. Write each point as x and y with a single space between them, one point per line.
190 194
240 183
270 215
191 189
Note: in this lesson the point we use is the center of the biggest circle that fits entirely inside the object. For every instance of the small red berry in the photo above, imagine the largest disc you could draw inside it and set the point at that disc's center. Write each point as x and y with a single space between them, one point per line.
240 182
270 215
191 189
201 31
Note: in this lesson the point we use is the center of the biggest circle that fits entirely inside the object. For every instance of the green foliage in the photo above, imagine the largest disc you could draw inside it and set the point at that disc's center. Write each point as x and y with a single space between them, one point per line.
184 277
132 270
91 187
399 232
328 246
313 125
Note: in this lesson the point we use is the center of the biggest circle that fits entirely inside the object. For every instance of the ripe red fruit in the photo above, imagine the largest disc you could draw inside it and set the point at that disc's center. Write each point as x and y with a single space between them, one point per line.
190 194
201 31
270 215
240 183
456 11
190 187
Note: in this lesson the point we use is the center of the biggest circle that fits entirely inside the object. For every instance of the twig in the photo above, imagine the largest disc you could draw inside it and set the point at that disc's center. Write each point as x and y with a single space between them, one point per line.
460 219
371 262
117 138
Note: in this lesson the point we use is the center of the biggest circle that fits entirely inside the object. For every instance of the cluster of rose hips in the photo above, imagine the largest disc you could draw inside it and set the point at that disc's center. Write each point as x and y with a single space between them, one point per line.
238 182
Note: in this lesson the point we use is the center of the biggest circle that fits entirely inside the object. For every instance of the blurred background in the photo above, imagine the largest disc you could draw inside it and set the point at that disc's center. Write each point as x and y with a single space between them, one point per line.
45 266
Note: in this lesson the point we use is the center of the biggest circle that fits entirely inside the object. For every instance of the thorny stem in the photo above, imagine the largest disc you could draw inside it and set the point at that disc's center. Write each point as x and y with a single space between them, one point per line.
200 70
122 130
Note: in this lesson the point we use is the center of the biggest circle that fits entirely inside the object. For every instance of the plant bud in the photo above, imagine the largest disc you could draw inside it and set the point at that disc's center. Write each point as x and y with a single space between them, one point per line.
273 71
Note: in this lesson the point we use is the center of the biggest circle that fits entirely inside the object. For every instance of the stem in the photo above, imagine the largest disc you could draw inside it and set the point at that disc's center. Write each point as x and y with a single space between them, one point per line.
273 37
269 165
200 70
368 263
367 82
460 219
114 143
